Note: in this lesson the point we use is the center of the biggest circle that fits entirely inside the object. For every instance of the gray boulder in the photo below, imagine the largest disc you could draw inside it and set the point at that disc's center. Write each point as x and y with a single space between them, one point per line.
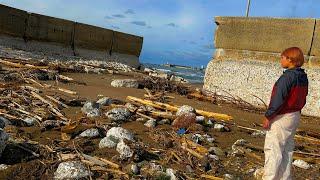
128 83
72 170
4 122
3 140
118 114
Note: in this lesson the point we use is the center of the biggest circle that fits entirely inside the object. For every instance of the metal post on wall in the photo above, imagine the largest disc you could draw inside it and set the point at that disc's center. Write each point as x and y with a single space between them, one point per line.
248 8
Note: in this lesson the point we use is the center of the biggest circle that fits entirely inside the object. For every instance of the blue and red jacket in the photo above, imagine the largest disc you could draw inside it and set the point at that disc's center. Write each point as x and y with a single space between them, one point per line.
289 93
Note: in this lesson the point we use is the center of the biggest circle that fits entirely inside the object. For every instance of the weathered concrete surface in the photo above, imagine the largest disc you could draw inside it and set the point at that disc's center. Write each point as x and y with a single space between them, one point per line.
263 34
49 29
92 37
315 50
12 21
51 36
251 78
126 44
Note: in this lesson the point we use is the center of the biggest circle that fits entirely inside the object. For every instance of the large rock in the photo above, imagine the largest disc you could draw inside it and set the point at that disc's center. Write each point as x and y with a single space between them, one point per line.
118 114
120 133
4 122
114 136
128 83
185 109
3 140
71 170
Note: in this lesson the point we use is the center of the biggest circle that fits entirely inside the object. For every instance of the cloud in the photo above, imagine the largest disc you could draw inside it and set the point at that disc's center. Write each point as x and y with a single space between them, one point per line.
139 23
149 27
115 27
129 11
172 25
119 16
108 17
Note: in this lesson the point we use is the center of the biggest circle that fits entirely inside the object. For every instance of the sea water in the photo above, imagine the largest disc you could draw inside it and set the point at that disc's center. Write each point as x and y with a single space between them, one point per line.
193 75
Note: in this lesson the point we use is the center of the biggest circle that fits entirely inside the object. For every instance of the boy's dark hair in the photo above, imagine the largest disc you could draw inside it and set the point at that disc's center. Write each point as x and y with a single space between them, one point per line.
295 54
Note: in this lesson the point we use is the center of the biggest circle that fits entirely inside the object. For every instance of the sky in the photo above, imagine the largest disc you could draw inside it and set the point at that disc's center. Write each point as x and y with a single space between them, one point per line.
175 31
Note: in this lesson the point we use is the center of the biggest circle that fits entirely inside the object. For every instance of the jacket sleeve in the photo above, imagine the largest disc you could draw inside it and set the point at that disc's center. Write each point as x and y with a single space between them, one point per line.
279 95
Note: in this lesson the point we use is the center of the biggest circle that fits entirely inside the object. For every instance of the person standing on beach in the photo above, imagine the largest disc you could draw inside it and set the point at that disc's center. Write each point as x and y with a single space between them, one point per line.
283 115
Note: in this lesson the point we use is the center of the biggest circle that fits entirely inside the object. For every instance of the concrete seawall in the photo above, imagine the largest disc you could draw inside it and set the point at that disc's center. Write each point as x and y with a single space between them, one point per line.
246 61
53 36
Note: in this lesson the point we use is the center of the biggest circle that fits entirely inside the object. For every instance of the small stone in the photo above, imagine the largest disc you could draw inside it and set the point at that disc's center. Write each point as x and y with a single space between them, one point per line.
94 113
130 106
151 123
185 109
89 106
217 151
240 142
171 173
124 150
108 142
71 170
219 127
119 114
210 123
214 157
93 132
164 121
4 122
259 133
91 109
301 164
29 121
135 169
228 177
209 138
128 83
200 119
105 101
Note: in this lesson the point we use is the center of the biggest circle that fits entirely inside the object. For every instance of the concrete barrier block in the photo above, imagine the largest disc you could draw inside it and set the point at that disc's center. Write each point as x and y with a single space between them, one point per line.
130 60
12 21
49 29
315 50
252 81
263 34
127 44
92 38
